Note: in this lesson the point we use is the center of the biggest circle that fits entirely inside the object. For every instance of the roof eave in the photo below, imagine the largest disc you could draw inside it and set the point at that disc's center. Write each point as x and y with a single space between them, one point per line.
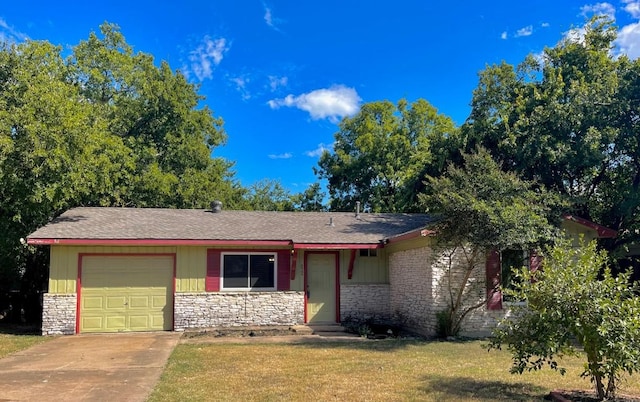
155 242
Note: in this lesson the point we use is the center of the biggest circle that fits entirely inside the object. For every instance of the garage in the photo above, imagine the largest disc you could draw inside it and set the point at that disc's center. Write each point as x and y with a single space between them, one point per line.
126 293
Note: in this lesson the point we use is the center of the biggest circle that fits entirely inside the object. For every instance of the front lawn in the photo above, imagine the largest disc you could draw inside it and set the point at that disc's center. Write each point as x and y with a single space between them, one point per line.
13 339
372 371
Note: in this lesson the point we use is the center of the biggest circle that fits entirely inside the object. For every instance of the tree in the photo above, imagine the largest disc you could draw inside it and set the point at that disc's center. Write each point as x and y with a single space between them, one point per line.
268 195
103 127
574 302
482 208
311 199
570 121
382 154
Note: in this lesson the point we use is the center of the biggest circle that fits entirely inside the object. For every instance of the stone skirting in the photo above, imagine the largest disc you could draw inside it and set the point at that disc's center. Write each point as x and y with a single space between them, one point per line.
205 310
364 301
59 314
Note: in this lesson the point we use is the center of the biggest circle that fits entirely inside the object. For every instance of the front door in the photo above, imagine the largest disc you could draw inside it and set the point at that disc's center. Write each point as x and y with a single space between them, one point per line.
321 287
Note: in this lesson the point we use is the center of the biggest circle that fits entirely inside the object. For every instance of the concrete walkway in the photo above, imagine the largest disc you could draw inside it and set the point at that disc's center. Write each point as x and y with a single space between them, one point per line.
104 367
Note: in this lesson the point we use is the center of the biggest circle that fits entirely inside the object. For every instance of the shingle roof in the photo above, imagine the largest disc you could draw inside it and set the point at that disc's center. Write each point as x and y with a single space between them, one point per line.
197 224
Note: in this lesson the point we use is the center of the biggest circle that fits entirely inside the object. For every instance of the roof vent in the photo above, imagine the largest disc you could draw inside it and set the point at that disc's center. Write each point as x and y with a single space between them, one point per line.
216 206
331 221
357 209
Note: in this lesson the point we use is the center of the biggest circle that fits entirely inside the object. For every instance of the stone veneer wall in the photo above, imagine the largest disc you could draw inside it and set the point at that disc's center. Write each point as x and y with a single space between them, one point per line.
204 310
365 301
410 289
419 281
59 314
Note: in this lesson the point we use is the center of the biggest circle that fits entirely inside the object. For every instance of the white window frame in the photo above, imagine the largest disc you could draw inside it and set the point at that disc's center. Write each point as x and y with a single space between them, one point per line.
249 289
526 256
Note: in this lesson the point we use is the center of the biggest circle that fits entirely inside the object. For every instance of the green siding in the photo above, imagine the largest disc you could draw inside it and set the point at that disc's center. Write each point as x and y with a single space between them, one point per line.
365 269
191 269
63 271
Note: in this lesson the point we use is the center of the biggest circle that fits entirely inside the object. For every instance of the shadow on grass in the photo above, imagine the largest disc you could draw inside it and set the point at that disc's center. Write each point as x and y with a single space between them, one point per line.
381 345
19 329
465 388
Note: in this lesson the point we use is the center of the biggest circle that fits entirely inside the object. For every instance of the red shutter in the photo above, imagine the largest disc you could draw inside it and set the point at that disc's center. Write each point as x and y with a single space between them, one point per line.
494 296
212 281
284 270
534 261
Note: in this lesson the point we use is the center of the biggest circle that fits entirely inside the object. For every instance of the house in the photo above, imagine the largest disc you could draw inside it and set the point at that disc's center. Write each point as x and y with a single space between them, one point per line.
146 269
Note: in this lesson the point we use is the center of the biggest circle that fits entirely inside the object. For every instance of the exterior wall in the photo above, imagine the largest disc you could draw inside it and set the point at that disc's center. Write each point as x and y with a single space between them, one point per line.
191 269
63 267
411 292
59 314
574 231
365 269
365 301
204 310
420 280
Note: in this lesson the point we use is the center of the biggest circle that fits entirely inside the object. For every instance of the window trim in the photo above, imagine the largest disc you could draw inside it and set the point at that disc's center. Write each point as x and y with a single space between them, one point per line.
274 254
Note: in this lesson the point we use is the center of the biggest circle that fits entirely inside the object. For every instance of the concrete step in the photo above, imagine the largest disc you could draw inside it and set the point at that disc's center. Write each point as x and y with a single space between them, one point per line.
322 328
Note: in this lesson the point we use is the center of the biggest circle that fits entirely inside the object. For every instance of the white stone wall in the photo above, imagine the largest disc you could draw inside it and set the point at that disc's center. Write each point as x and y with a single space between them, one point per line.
365 301
410 293
59 314
204 310
423 281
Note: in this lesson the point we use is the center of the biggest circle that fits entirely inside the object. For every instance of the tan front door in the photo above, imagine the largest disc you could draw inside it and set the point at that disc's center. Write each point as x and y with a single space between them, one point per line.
321 288
126 293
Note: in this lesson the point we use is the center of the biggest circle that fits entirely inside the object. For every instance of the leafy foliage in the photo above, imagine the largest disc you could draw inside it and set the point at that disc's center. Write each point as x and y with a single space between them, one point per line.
382 154
569 120
574 300
102 127
482 208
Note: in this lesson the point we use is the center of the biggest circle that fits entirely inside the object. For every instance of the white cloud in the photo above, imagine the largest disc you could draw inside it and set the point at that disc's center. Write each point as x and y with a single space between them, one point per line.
633 8
545 25
286 155
241 86
598 9
628 41
319 151
276 82
332 103
204 58
268 18
503 35
526 31
10 34
575 35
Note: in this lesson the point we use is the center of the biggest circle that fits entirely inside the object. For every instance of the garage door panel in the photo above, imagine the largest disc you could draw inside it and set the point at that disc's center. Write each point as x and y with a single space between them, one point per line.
92 302
139 302
126 293
92 323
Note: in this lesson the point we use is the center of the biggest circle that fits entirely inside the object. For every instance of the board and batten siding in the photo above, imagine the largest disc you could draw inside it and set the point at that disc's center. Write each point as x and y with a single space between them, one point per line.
63 271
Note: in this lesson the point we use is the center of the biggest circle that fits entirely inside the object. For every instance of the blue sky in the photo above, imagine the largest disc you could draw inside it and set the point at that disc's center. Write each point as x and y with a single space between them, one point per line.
283 73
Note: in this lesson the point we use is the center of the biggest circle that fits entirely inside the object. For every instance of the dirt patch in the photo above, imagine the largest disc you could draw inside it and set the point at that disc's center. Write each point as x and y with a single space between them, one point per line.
240 332
586 396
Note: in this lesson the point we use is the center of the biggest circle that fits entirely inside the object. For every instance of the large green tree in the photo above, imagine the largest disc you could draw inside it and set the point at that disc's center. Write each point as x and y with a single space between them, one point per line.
104 126
482 209
382 154
570 120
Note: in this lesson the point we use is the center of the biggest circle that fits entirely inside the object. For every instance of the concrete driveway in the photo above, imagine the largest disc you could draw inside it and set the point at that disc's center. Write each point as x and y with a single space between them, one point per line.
101 367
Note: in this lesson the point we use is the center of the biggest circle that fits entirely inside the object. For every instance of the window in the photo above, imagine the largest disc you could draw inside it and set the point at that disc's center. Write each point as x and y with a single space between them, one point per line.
510 259
368 252
255 271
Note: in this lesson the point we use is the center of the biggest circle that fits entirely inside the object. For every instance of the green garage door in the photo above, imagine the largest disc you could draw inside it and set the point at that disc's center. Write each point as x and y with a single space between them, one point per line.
126 293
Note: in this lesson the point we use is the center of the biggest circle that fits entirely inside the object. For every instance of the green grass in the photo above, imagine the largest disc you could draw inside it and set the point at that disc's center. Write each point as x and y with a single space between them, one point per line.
11 343
371 371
